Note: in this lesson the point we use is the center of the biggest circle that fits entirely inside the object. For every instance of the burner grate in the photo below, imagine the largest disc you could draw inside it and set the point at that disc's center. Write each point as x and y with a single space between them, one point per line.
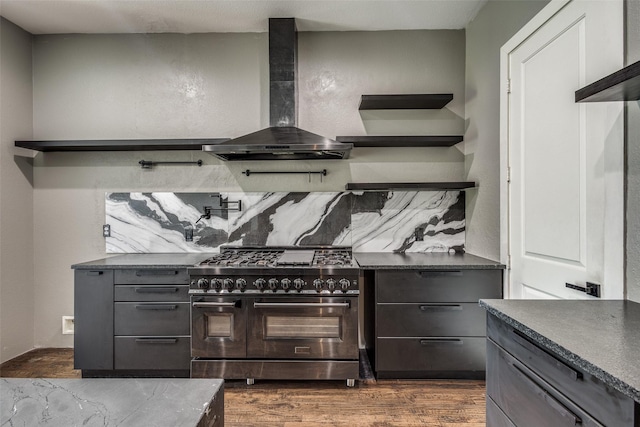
280 257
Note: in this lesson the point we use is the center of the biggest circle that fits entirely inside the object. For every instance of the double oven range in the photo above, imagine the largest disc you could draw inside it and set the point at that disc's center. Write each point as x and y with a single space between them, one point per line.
275 313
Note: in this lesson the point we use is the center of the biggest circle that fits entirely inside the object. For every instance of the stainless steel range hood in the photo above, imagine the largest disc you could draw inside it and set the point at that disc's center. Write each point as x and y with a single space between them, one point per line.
282 140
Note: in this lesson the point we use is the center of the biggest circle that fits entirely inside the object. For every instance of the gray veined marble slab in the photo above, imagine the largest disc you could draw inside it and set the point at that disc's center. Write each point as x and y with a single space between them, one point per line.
109 402
156 222
291 219
386 221
383 221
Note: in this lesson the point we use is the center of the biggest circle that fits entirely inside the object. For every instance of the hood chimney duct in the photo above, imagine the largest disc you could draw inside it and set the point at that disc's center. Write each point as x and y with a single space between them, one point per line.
282 140
283 72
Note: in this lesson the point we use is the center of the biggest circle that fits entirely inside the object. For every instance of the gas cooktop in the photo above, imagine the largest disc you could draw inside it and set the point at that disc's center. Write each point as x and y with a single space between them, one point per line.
280 257
276 270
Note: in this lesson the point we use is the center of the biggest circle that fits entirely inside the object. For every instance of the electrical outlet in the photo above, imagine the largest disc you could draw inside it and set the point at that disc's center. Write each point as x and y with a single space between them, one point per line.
188 234
106 230
68 325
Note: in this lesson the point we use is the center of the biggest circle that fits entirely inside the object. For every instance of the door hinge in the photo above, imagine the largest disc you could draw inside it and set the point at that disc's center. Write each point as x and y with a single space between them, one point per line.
508 173
508 85
509 262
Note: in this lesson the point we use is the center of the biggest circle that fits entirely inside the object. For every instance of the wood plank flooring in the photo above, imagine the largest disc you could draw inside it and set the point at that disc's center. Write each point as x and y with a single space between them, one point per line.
312 404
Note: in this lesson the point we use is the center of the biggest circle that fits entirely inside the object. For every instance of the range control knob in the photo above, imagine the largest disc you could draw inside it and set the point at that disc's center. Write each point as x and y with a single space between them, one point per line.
259 284
298 284
331 285
203 283
344 284
241 284
215 284
286 284
227 284
318 284
273 284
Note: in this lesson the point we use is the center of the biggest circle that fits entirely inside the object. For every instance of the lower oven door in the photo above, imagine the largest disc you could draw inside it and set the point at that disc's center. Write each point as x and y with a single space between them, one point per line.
218 327
303 328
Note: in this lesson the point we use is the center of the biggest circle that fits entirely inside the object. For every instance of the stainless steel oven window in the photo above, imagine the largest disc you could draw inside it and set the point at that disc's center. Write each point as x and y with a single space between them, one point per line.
219 325
296 327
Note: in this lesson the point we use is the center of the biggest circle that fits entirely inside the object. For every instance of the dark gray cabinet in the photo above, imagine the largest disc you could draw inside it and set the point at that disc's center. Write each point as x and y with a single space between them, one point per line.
93 313
428 323
530 385
133 322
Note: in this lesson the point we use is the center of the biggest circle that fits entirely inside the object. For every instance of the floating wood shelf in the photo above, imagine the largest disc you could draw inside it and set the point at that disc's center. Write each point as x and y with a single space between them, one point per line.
623 85
401 141
119 144
405 102
385 186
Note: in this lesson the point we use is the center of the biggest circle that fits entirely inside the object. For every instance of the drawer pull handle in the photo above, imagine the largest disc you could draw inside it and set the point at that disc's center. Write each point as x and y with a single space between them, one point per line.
148 290
157 307
450 341
525 342
95 273
157 340
156 272
440 307
214 304
544 394
436 273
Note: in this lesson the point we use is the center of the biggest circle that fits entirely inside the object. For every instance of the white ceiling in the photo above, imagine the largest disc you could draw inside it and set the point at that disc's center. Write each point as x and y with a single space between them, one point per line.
199 16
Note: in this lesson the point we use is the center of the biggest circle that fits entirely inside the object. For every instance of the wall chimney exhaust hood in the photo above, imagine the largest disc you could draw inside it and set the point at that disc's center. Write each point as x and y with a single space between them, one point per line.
282 140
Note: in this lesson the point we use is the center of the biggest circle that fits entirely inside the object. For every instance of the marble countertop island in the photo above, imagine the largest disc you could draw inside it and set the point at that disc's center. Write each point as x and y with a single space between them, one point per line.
111 402
601 337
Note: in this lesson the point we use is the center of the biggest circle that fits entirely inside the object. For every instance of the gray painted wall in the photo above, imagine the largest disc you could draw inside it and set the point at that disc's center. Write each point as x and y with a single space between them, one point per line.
215 85
16 195
496 23
633 159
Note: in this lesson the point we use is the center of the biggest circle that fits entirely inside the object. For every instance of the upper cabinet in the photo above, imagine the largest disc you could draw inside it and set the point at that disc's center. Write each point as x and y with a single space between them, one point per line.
119 144
623 85
405 102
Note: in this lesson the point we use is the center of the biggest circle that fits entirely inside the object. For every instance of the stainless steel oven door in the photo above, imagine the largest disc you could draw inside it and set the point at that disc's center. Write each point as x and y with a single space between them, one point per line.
303 328
218 327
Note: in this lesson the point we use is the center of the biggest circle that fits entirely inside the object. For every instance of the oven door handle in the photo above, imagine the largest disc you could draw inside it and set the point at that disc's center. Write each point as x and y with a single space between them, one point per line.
301 304
214 304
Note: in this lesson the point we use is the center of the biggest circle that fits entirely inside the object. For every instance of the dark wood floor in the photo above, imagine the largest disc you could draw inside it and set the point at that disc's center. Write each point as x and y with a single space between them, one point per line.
309 404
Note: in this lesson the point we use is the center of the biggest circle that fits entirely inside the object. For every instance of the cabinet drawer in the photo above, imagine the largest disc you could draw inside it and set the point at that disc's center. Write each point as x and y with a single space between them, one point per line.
525 398
604 403
428 319
430 355
495 416
151 276
152 353
174 293
412 286
136 318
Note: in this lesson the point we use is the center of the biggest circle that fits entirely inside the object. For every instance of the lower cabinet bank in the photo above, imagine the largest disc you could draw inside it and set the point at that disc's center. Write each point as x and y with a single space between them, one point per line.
527 385
132 322
427 323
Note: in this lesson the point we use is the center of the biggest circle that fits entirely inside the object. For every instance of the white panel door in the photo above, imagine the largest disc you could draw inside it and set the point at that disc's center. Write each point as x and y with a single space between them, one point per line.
565 192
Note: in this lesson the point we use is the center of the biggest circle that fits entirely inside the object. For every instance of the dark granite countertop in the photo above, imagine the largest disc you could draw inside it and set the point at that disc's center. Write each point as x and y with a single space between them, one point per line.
145 261
107 402
371 260
432 260
601 337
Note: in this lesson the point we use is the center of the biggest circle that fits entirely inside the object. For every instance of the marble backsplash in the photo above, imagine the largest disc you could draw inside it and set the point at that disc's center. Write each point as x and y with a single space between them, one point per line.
379 221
